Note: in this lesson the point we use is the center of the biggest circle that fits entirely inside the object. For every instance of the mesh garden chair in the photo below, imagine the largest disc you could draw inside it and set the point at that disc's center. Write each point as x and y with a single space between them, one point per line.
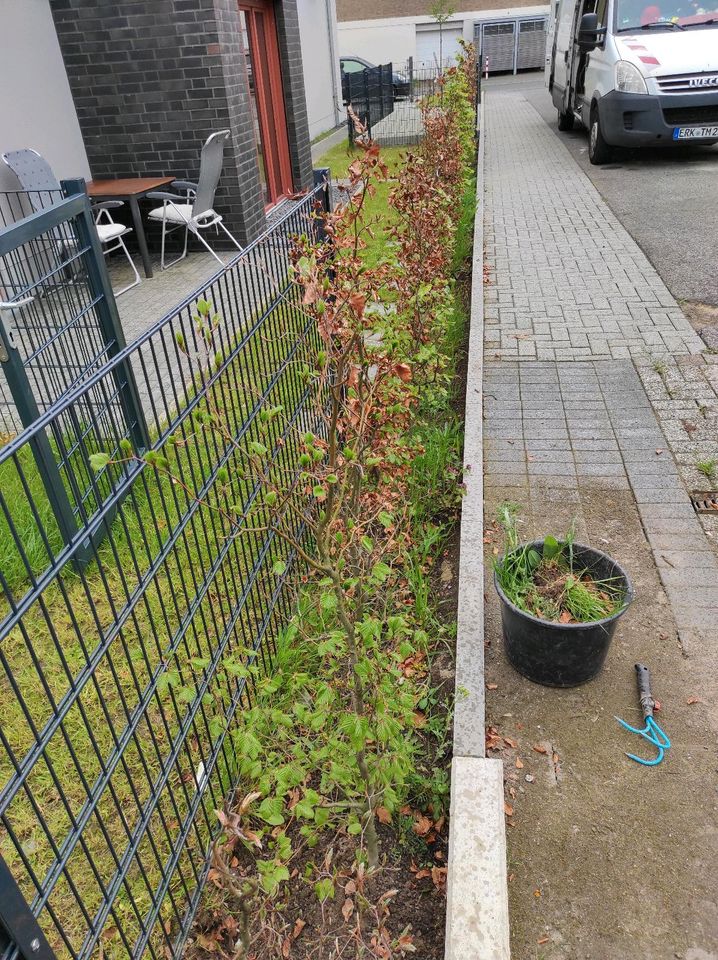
40 183
193 208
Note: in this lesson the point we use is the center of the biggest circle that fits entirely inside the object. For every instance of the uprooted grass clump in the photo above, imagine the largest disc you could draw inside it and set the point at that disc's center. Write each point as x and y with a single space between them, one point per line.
552 585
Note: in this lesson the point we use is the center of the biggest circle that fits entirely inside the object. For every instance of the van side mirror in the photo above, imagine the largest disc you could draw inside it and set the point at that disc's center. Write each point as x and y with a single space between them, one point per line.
589 32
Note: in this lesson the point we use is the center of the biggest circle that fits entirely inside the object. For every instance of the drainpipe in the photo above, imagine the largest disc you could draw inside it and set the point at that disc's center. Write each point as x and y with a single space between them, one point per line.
334 60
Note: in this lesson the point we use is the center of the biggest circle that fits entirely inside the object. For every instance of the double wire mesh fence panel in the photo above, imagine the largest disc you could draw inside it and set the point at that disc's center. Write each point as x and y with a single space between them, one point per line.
122 678
58 326
387 99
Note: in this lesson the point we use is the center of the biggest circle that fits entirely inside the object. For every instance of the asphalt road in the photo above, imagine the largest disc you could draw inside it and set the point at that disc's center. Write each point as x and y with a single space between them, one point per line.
666 199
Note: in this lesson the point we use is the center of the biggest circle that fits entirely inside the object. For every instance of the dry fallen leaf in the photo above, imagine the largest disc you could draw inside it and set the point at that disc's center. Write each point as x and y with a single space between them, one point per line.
383 815
659 451
508 809
510 742
438 876
537 893
492 686
422 826
539 748
565 617
691 700
542 940
347 909
555 757
519 763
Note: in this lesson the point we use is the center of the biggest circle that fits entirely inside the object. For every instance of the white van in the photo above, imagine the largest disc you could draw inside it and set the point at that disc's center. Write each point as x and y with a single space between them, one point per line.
635 72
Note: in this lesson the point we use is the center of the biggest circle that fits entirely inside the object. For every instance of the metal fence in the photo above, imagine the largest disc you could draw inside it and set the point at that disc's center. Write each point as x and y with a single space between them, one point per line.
387 99
118 696
370 93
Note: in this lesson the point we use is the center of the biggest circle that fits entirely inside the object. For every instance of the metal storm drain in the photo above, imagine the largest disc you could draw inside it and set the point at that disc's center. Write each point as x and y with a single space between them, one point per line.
705 502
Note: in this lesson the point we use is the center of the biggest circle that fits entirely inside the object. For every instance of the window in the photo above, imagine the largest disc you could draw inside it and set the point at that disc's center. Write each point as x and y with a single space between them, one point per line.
353 66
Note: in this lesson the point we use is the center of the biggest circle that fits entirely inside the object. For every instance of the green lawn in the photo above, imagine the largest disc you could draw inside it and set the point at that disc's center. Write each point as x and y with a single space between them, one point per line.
339 157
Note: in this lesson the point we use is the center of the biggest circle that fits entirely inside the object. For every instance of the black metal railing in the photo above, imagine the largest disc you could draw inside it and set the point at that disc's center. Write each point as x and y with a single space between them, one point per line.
370 93
118 696
387 99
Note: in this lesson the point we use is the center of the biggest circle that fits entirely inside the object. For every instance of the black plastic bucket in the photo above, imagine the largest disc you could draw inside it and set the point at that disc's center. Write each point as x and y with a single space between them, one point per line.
563 654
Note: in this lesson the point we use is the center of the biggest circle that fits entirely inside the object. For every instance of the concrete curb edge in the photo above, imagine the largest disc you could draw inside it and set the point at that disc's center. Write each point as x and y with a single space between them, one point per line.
477 914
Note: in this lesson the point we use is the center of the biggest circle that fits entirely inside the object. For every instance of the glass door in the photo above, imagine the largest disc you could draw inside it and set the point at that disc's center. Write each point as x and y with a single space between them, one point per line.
264 77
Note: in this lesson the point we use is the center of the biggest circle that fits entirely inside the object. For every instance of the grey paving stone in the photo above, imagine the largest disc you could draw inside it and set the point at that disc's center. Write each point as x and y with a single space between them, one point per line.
566 269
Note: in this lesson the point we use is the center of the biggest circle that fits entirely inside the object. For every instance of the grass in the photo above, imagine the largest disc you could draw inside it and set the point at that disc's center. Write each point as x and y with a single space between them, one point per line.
707 468
341 155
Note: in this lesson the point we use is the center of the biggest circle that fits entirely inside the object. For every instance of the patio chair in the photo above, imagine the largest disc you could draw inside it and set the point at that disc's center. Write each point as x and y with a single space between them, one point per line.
37 179
193 207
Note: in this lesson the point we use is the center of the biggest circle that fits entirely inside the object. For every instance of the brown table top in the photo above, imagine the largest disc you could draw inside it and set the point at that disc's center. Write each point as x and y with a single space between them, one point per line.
129 187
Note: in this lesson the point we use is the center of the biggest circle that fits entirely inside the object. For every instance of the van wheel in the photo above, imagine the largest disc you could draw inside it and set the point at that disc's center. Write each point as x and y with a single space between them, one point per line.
565 121
598 150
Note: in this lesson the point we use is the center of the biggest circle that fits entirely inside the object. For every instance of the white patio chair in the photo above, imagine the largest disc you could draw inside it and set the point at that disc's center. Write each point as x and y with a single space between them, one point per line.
193 209
36 178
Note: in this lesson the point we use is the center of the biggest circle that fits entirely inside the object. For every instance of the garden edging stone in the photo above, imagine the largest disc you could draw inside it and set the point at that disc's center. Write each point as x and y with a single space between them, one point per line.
477 913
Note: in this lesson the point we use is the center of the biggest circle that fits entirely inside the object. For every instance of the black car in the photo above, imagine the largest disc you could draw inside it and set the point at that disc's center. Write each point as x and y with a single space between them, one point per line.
358 65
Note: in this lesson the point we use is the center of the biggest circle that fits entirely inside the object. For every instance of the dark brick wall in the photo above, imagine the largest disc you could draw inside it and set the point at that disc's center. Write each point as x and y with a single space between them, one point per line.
295 103
151 79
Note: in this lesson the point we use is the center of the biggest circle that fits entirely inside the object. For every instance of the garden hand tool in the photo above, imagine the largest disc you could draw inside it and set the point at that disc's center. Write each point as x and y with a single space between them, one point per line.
651 732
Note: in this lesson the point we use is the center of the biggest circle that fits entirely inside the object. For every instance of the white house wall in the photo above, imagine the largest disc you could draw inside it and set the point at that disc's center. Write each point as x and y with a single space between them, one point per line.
320 58
36 107
393 39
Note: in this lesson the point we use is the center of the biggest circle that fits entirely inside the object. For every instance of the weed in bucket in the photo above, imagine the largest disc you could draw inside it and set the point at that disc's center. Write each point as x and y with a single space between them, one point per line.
560 602
551 584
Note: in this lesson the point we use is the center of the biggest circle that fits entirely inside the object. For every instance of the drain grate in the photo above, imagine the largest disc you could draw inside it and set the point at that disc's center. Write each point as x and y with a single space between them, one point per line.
705 502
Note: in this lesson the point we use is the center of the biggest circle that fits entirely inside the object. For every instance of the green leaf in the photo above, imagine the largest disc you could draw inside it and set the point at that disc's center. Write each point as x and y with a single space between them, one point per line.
380 571
534 559
551 547
367 543
203 307
271 498
258 448
98 461
278 567
271 810
324 889
126 447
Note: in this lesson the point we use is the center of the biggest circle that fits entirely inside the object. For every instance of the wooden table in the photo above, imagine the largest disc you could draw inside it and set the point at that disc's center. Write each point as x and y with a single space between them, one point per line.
131 189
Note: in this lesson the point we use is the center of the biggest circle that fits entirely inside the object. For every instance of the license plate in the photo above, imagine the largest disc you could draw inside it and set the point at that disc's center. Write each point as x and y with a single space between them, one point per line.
695 133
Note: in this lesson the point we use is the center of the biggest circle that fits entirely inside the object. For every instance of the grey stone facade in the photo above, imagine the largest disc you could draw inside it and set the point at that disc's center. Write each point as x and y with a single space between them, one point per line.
151 79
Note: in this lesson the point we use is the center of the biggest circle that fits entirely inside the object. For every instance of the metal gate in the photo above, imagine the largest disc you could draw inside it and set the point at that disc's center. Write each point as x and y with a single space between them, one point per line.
531 47
58 326
497 43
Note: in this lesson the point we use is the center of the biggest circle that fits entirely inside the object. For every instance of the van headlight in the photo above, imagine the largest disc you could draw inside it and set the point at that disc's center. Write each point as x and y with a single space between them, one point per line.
629 78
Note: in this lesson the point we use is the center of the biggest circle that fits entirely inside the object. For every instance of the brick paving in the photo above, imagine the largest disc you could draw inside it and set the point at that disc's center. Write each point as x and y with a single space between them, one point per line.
599 401
555 432
569 282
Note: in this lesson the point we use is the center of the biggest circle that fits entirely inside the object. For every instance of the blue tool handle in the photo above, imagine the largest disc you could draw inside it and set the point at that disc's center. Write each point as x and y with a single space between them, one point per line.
643 678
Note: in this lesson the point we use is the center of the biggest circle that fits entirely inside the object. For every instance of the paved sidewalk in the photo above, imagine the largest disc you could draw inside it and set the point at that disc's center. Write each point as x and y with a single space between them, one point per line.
592 373
570 282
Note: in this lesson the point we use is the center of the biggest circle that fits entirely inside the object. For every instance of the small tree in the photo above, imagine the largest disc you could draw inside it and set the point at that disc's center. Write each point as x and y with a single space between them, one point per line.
441 11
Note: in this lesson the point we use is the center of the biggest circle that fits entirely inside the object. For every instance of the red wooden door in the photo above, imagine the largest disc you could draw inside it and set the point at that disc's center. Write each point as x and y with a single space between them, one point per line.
265 84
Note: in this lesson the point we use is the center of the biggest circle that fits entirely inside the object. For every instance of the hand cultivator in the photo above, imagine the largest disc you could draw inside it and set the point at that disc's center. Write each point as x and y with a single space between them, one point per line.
651 732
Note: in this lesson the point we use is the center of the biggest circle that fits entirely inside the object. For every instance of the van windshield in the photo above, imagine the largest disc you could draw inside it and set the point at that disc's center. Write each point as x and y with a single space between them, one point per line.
666 14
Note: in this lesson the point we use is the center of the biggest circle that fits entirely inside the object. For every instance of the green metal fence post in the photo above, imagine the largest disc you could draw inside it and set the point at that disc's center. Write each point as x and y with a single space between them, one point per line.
108 317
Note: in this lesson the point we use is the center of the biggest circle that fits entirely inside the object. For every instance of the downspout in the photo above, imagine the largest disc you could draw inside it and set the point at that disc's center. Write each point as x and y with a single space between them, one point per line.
334 61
